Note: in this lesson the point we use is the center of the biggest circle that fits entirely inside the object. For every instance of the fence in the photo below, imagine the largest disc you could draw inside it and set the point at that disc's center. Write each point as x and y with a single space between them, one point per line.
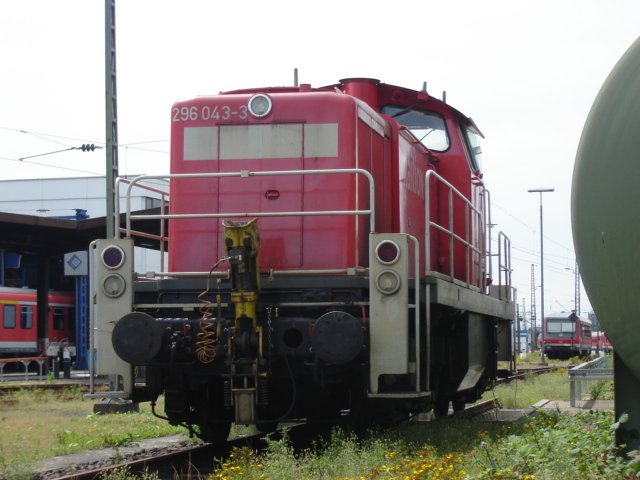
584 374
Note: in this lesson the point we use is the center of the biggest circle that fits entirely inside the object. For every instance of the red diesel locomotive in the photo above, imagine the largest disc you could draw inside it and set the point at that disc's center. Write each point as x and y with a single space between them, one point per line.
329 252
567 335
19 320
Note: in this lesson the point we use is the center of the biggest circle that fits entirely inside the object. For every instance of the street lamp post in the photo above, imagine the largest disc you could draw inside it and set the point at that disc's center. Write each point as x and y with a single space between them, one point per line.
541 191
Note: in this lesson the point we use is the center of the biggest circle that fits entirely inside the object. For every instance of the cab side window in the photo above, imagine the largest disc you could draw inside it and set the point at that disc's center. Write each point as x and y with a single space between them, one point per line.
472 144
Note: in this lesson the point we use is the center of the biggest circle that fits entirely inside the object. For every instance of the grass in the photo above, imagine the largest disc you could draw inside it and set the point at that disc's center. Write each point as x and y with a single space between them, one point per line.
44 425
548 446
522 394
550 386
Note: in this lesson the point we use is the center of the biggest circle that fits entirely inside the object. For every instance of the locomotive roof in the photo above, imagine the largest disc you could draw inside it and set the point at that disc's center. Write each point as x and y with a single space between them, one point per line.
389 94
565 315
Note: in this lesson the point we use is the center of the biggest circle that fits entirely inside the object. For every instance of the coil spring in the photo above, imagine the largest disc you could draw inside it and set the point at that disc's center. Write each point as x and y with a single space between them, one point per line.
206 343
207 338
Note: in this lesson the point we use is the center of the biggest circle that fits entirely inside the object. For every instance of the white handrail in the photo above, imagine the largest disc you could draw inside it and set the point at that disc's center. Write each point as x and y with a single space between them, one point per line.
416 313
504 264
246 174
469 209
136 182
161 238
122 180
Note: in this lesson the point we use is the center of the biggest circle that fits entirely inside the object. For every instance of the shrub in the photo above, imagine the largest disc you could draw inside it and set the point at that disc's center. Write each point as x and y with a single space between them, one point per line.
601 389
555 445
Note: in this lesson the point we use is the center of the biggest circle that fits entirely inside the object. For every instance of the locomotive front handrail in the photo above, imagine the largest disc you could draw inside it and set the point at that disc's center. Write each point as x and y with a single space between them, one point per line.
121 180
246 174
309 213
161 238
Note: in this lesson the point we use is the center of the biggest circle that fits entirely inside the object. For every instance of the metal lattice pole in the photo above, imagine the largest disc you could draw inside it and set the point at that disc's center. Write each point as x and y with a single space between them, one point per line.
533 308
111 123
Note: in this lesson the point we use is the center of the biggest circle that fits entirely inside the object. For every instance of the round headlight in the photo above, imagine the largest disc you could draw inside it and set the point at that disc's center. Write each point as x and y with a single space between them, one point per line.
388 252
388 282
113 257
260 105
113 285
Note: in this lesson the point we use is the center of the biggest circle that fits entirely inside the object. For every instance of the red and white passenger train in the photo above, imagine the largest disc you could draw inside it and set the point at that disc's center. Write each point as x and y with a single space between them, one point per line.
567 335
329 251
19 320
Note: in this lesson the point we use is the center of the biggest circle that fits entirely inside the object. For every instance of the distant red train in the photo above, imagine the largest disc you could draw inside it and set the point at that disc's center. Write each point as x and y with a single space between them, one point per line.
329 250
19 320
567 335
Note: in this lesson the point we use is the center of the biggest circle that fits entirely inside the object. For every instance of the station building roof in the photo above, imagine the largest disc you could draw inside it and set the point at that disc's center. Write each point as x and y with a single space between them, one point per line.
52 236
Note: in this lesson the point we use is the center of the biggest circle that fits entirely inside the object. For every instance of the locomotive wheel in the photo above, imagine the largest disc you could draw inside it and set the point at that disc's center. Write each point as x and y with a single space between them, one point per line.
215 432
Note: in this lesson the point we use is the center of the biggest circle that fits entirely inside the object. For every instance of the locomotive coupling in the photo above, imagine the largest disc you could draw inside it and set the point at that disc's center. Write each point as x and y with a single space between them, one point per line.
247 376
242 241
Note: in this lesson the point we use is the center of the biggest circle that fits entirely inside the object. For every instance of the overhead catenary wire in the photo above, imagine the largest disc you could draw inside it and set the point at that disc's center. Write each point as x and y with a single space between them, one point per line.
51 138
54 138
86 147
50 166
527 225
559 262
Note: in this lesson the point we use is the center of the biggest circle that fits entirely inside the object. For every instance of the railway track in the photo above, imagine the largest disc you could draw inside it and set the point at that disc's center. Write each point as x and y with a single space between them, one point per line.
523 372
174 458
180 460
196 460
168 460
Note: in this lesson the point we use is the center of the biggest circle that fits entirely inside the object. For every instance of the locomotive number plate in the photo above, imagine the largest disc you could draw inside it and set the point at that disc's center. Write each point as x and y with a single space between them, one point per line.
207 112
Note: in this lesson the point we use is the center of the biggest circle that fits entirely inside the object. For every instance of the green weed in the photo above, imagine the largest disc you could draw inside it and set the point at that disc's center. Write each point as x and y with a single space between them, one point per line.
40 424
601 389
124 473
524 393
548 446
